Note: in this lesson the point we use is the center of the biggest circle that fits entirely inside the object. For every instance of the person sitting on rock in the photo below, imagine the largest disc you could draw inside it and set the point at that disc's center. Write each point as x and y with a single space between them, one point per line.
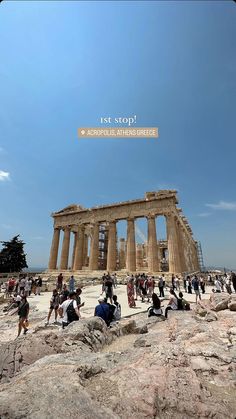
155 309
172 304
102 310
184 304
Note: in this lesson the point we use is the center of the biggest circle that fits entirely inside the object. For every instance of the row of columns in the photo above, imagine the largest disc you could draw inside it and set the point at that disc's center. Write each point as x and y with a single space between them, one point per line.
181 249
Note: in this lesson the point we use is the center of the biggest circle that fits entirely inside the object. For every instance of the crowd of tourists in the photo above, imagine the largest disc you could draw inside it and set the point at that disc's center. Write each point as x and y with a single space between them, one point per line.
24 285
17 290
65 301
142 286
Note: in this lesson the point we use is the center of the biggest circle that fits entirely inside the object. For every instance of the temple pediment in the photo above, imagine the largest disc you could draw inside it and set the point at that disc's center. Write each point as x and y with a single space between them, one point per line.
70 208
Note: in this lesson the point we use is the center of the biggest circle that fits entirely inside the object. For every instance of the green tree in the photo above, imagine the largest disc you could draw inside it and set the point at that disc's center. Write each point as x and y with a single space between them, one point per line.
12 256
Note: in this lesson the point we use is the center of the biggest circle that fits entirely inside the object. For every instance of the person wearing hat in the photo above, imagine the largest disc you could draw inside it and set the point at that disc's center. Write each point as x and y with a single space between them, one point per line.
102 310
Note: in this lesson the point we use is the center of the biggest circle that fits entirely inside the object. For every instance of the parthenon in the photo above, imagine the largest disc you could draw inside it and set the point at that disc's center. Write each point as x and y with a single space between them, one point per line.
95 243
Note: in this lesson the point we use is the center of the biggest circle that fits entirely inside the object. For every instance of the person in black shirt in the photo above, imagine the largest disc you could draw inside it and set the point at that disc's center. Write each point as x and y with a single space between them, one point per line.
64 294
23 312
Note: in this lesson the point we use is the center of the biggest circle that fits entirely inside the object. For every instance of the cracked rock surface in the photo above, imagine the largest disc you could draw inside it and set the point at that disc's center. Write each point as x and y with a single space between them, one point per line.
180 368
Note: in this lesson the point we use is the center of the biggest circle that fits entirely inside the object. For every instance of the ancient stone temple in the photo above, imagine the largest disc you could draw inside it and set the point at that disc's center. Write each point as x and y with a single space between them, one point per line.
97 247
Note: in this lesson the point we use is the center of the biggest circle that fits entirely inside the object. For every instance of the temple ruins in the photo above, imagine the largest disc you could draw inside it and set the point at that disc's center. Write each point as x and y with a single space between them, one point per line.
97 247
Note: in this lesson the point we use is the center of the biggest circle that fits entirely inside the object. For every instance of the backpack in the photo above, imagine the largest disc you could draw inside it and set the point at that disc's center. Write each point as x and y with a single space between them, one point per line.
117 312
71 313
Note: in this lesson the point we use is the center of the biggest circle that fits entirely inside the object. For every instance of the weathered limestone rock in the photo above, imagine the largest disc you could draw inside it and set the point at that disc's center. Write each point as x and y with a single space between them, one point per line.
232 306
182 368
210 317
87 335
220 301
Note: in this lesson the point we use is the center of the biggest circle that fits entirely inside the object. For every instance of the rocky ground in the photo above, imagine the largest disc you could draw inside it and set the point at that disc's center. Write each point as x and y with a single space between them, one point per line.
140 368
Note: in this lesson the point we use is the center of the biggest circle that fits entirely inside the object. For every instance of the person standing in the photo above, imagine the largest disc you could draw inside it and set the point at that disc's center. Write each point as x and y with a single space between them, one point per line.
189 284
72 284
117 311
30 285
22 285
195 284
69 311
228 284
185 283
202 284
33 286
177 283
150 287
64 294
161 286
78 298
233 279
173 281
54 305
130 293
217 284
59 282
27 287
23 312
109 288
39 285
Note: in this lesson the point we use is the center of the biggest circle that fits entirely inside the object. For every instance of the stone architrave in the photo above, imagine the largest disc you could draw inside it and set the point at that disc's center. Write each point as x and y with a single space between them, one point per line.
94 249
54 249
79 255
173 251
131 247
111 253
153 261
65 249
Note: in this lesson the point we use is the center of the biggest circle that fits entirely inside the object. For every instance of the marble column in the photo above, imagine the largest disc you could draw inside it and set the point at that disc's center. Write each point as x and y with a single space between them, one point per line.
85 250
153 261
181 246
54 249
74 249
122 253
111 251
94 249
65 249
79 254
131 248
173 251
188 255
195 257
139 256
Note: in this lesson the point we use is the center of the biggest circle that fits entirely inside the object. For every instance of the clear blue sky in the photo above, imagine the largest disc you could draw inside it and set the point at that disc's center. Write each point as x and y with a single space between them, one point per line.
64 65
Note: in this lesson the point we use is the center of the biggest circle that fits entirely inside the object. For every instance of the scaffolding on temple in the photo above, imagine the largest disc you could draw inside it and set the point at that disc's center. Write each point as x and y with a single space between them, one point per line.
200 257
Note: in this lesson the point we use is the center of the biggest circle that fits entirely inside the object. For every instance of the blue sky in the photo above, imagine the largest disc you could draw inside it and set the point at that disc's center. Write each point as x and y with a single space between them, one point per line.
64 65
